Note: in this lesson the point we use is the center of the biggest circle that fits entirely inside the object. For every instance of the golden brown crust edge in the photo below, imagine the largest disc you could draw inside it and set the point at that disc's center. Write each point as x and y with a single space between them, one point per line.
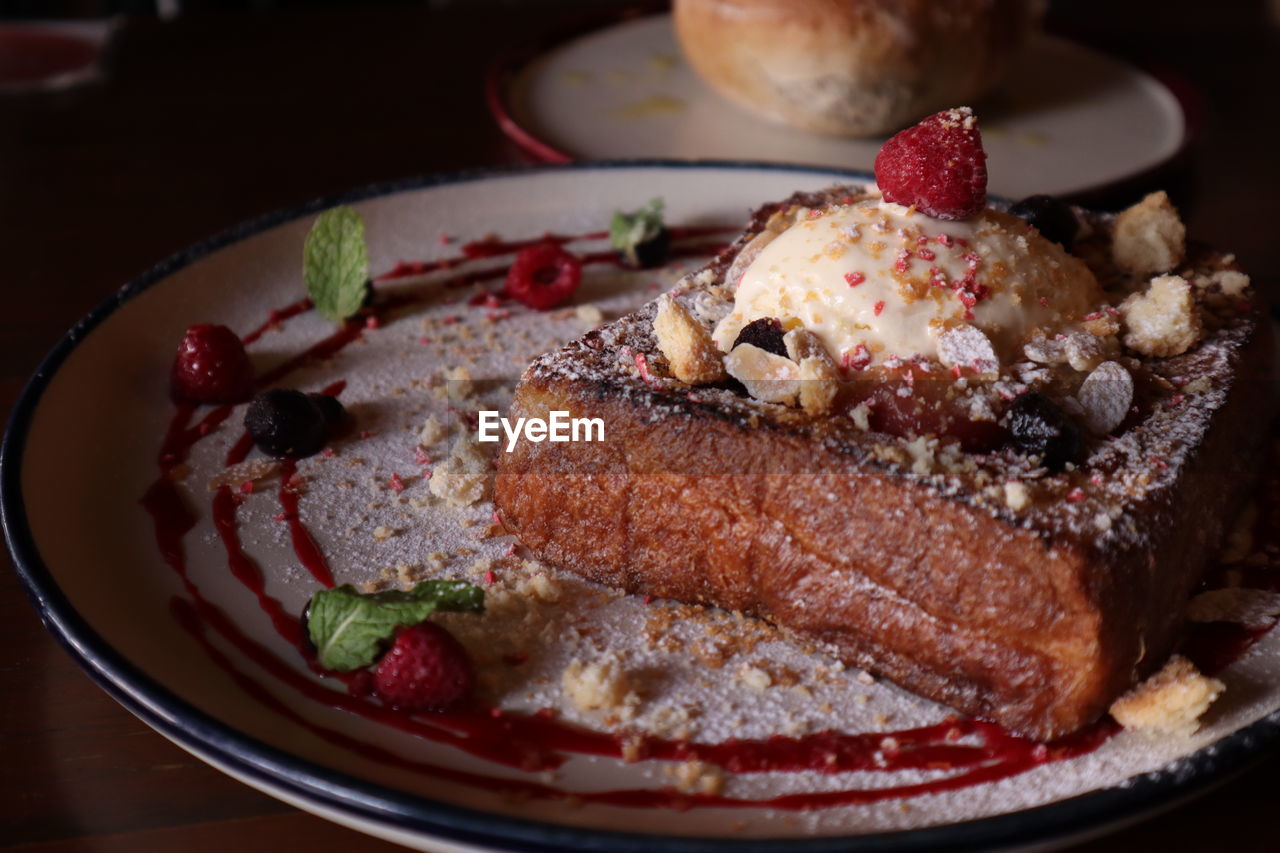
1034 630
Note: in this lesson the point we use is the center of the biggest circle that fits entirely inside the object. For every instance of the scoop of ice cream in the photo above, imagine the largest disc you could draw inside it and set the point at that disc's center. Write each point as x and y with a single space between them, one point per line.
875 279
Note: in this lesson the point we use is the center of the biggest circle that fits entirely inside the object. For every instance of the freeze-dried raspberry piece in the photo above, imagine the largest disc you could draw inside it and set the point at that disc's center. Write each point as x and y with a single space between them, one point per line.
938 166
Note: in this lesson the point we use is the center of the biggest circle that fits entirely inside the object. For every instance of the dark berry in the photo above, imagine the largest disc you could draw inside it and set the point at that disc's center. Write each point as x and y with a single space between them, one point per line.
284 422
369 295
425 669
938 166
650 253
543 276
305 623
1038 427
211 366
330 409
1052 217
765 333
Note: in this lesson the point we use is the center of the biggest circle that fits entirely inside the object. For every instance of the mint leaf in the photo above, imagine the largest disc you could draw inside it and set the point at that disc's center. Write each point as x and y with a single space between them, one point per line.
335 263
348 627
629 230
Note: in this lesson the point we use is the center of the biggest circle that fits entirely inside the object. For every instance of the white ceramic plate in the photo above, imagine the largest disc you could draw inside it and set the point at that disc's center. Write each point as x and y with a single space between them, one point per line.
81 450
1068 120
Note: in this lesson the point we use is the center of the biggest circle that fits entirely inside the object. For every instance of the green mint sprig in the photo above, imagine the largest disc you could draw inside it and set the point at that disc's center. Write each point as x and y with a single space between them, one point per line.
348 627
335 263
629 230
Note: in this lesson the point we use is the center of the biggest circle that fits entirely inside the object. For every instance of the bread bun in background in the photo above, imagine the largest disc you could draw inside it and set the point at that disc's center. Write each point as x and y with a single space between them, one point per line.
852 67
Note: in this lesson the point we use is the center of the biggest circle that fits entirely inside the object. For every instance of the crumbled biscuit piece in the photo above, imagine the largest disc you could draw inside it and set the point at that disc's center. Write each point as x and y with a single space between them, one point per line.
1162 321
601 685
1016 495
819 373
1103 324
1169 702
1085 351
541 587
1149 237
465 477
861 416
755 677
766 376
589 314
381 533
921 451
1231 282
431 432
251 470
459 382
686 343
694 777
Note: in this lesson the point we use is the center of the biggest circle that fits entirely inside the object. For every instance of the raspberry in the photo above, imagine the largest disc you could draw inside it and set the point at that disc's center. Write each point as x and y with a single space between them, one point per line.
766 333
543 276
425 669
938 165
211 366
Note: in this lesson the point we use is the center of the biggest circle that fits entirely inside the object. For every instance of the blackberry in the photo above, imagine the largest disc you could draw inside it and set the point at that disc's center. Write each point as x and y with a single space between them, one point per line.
1052 217
1038 427
765 333
330 409
284 422
649 253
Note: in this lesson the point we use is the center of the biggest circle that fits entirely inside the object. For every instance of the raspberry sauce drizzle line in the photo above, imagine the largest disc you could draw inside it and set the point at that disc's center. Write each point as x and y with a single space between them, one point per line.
539 742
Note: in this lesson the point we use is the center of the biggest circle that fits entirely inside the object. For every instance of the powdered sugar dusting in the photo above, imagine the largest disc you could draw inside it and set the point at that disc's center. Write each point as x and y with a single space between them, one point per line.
671 669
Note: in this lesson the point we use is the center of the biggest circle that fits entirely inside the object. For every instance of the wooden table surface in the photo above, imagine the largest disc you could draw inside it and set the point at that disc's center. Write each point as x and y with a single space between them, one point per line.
210 119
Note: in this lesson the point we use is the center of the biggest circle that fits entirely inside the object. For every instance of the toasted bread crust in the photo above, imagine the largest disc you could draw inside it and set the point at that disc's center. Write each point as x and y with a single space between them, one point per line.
1036 619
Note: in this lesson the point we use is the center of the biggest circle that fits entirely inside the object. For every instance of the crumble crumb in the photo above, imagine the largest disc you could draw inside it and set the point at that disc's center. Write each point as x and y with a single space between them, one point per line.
589 314
1162 321
251 470
431 432
1016 495
601 685
465 477
382 533
819 374
766 376
686 344
695 777
1149 236
755 677
1169 702
459 384
1230 282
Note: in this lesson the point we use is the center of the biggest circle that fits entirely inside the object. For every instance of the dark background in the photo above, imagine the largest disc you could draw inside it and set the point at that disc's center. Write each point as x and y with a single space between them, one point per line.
231 110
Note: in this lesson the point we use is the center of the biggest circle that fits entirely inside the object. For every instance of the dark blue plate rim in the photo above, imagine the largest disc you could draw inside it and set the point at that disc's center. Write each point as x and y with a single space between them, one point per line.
325 788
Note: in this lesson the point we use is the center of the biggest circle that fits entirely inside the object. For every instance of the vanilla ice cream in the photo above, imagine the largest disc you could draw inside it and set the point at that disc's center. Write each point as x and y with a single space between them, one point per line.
878 279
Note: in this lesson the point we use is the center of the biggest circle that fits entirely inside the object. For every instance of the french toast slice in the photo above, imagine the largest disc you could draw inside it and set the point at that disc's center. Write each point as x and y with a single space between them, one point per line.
1002 589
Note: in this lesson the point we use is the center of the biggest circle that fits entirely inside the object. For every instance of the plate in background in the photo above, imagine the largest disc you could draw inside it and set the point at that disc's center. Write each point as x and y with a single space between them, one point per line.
1068 120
